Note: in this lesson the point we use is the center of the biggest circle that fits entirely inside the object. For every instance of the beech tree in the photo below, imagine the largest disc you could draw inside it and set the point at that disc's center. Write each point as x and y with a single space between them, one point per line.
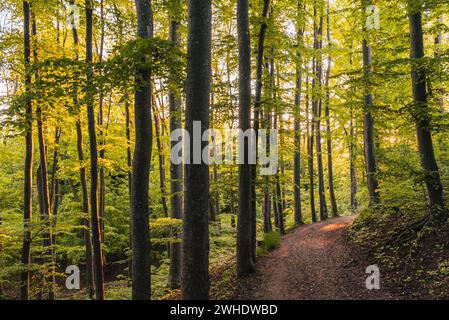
195 245
244 223
94 220
141 276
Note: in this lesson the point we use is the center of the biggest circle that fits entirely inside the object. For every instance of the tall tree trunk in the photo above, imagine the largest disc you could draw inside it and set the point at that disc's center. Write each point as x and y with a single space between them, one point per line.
297 118
330 170
244 251
317 106
174 276
102 139
438 211
83 179
44 192
195 262
95 224
368 126
256 121
141 276
28 167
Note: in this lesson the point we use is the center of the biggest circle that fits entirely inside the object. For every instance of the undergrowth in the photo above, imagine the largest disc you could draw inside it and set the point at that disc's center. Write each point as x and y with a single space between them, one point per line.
413 256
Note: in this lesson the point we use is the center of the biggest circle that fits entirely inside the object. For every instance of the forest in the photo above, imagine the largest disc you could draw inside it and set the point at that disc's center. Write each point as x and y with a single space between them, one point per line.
224 149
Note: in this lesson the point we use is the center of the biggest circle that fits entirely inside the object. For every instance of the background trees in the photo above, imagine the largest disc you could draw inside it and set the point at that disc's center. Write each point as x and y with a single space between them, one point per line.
311 69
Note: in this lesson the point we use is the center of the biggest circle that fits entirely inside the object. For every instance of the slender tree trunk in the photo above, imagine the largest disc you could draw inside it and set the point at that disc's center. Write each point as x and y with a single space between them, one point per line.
176 175
244 240
28 166
195 262
297 124
56 201
352 163
317 101
129 164
44 192
330 170
54 164
256 120
95 223
102 139
310 134
141 276
368 126
275 211
161 160
83 180
438 211
279 206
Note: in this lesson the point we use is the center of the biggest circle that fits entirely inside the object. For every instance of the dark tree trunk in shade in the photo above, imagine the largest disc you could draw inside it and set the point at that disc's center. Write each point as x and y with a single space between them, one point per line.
174 276
95 221
330 170
141 276
438 211
297 119
368 125
28 167
195 245
317 102
244 222
256 121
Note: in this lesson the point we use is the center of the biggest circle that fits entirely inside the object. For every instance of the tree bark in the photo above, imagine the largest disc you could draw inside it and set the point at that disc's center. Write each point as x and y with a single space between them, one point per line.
141 276
297 119
368 126
317 106
244 223
95 223
256 120
195 262
438 211
176 174
330 170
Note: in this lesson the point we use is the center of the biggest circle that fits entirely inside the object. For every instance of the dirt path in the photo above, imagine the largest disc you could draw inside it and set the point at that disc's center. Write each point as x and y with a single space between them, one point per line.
312 262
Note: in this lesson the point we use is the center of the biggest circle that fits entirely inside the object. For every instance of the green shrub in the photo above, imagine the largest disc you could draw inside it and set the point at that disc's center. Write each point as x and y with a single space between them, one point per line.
271 240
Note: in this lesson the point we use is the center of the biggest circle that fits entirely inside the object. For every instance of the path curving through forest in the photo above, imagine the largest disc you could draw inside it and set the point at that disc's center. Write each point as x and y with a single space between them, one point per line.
312 262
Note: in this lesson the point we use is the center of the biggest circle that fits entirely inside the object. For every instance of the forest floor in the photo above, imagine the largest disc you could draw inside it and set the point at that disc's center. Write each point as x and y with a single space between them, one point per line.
312 262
